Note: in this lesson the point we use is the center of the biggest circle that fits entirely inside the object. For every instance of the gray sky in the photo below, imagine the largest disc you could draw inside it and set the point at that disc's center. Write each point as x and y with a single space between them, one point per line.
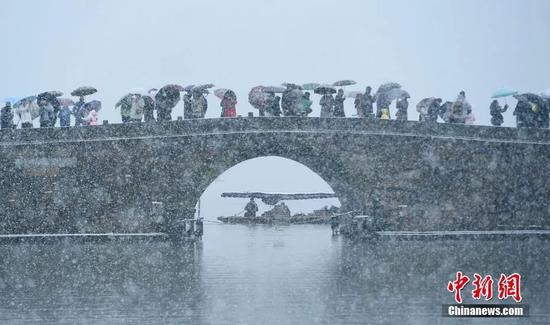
432 47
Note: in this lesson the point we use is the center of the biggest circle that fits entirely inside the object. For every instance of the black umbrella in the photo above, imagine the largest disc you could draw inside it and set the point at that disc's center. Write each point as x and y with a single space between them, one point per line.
49 97
273 89
83 91
123 100
93 105
324 89
290 85
169 95
387 87
50 94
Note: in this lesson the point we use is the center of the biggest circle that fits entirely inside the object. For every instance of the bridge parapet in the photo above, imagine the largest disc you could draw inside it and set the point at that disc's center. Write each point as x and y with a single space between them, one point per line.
267 124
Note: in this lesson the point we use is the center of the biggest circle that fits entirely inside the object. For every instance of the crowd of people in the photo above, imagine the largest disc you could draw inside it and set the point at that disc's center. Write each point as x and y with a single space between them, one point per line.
289 100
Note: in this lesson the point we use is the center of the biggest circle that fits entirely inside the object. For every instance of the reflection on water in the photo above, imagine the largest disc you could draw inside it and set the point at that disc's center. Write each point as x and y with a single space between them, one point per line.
258 275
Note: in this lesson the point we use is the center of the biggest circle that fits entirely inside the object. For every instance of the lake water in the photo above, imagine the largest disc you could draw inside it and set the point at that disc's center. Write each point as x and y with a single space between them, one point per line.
259 275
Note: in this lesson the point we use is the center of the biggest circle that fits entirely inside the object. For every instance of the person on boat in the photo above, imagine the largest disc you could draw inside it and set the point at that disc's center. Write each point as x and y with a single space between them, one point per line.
367 103
250 209
339 104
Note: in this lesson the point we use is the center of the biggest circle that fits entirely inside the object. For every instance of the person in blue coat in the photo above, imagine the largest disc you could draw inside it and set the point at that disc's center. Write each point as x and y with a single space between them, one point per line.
64 116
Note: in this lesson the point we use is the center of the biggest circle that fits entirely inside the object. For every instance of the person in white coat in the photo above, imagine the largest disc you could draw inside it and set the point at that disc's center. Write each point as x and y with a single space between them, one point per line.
24 113
137 104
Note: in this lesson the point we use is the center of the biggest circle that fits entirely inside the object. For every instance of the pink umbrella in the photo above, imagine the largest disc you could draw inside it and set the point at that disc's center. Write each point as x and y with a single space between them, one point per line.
220 92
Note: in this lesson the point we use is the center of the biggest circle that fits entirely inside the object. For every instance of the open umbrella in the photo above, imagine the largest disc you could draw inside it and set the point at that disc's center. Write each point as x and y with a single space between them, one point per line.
422 106
92 105
342 83
50 94
395 93
503 93
83 91
24 101
535 99
123 99
290 85
169 95
258 98
273 89
28 104
387 87
310 86
188 88
173 87
324 89
220 92
353 94
203 88
65 101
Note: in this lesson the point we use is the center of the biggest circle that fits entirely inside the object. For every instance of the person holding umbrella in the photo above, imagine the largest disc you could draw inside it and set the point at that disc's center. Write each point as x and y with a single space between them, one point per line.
200 104
402 106
48 107
496 113
149 105
187 105
64 116
327 100
81 92
339 104
228 104
327 105
27 110
367 103
276 106
77 111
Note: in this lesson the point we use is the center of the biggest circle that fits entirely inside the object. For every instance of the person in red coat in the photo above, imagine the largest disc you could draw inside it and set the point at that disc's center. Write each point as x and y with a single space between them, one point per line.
228 104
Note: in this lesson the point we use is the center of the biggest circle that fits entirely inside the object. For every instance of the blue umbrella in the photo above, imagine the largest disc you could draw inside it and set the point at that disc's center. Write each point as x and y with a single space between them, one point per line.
503 93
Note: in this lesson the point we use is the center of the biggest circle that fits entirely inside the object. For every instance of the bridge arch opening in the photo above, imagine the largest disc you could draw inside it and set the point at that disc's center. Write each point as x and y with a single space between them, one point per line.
271 174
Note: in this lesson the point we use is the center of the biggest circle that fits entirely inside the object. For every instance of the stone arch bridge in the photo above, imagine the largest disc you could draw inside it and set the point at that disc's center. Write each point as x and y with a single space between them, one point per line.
415 176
